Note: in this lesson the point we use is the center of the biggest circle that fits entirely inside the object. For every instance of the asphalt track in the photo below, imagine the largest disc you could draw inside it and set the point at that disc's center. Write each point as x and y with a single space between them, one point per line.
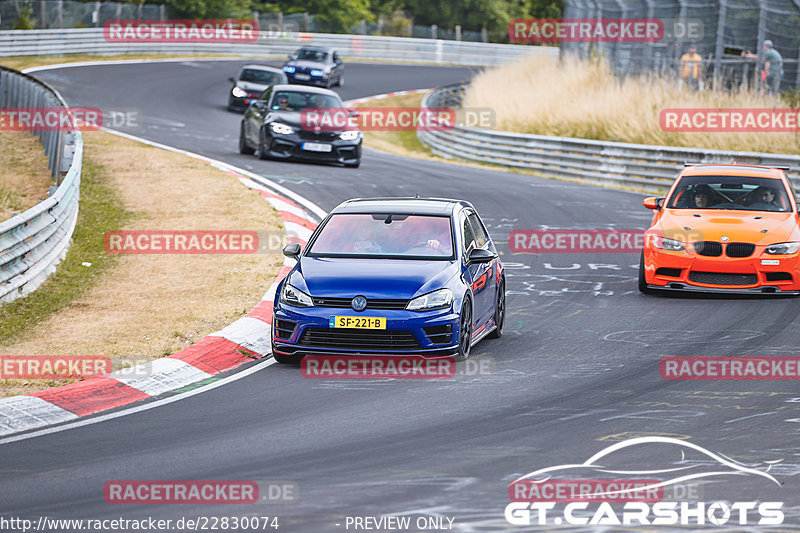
577 370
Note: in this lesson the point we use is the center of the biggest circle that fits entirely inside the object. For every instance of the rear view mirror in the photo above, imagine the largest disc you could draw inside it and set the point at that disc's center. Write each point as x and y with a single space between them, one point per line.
232 80
652 202
353 112
480 255
292 250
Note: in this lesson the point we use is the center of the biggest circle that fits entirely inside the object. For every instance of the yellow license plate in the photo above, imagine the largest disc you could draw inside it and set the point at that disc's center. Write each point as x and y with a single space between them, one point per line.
358 322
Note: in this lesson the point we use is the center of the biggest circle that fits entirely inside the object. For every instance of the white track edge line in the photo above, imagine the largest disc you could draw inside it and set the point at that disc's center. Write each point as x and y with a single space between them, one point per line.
150 405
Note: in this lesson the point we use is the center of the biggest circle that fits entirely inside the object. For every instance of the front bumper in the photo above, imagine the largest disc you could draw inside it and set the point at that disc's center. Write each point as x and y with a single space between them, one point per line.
406 324
688 271
314 81
242 103
291 147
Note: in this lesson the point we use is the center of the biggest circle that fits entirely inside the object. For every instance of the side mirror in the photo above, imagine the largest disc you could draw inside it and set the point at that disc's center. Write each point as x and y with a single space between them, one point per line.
353 113
232 80
652 202
292 250
480 255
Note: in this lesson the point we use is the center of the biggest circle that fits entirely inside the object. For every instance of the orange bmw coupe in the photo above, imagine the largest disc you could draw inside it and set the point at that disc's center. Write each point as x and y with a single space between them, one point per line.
724 229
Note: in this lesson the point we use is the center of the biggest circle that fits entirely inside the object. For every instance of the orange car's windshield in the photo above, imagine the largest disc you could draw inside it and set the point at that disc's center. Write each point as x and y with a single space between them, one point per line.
741 193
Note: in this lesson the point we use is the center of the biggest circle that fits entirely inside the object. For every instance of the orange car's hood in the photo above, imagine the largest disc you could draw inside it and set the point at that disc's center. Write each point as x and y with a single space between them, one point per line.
737 226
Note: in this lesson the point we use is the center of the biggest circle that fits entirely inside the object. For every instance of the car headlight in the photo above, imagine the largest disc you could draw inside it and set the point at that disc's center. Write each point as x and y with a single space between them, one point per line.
289 69
281 129
440 299
783 248
238 92
349 135
295 297
316 72
667 244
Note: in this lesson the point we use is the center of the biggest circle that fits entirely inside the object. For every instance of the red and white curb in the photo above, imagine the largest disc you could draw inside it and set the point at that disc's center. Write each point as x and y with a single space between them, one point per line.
238 343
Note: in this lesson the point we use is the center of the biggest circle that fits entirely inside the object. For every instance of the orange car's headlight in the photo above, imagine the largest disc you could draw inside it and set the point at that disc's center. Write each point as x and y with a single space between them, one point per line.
663 243
783 248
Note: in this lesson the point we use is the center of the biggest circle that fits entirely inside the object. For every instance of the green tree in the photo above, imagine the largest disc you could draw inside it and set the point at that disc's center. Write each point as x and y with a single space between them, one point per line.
24 20
334 16
209 9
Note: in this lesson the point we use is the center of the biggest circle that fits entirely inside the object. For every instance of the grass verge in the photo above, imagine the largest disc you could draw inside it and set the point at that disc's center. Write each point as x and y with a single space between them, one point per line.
24 175
134 308
583 99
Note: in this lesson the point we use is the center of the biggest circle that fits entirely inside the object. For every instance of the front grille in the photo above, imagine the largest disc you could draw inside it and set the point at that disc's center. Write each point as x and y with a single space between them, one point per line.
284 329
778 276
669 272
708 248
358 339
439 334
723 278
739 249
317 135
371 303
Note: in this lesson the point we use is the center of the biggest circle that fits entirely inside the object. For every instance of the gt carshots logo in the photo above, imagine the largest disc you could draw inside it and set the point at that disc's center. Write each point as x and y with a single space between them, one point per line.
542 497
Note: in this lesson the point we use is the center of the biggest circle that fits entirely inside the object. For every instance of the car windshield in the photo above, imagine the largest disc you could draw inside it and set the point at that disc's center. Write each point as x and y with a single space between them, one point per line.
742 193
263 77
311 55
398 236
297 101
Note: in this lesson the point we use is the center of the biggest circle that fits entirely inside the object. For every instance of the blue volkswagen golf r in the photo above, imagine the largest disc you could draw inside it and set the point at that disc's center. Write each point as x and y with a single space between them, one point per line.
391 276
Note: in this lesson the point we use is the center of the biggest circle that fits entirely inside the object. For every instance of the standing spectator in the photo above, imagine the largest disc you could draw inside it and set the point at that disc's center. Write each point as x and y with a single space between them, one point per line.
772 73
691 68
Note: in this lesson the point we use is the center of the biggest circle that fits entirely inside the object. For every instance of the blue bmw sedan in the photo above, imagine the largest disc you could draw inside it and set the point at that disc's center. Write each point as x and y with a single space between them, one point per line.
394 276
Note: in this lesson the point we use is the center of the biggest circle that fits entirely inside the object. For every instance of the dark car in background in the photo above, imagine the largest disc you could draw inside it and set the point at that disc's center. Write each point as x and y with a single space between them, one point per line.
250 83
315 66
273 128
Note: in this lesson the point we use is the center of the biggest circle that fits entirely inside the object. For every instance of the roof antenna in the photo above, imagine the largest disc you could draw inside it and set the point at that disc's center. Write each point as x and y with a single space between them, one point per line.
416 195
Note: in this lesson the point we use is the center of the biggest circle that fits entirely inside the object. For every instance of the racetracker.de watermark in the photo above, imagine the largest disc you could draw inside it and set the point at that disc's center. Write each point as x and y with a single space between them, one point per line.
715 120
377 367
34 119
194 241
730 368
378 119
180 31
53 366
532 241
133 492
605 30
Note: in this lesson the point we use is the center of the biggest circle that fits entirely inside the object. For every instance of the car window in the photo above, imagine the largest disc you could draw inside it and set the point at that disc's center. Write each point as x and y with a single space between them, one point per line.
311 55
467 234
481 238
335 56
266 94
263 77
400 236
743 193
301 100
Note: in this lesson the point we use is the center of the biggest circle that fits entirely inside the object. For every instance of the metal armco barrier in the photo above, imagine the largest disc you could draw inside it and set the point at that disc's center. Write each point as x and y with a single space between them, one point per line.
91 41
34 242
643 167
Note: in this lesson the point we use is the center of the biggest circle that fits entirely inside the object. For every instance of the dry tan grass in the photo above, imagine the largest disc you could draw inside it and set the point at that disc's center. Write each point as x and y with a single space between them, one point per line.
583 99
154 305
24 176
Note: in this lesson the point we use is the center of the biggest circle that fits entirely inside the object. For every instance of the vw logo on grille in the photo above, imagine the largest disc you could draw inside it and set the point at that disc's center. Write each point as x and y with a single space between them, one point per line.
724 238
359 303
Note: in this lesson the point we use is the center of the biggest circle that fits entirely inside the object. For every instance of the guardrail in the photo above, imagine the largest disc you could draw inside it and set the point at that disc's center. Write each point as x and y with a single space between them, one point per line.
32 243
648 168
91 41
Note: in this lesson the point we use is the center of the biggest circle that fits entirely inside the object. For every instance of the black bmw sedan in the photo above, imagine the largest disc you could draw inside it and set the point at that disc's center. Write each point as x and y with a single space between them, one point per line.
277 126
